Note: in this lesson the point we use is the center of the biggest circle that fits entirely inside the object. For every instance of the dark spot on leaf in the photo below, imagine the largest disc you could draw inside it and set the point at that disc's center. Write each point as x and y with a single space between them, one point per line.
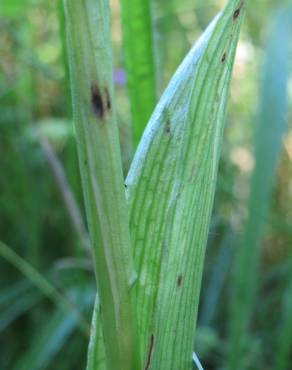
149 354
237 11
179 280
223 57
167 128
236 14
126 186
100 101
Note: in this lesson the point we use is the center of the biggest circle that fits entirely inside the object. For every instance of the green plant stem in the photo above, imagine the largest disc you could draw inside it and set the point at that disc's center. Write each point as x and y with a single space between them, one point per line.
90 59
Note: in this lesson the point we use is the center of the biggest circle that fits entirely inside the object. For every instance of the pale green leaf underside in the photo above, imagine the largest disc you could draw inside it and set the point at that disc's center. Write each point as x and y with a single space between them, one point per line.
170 190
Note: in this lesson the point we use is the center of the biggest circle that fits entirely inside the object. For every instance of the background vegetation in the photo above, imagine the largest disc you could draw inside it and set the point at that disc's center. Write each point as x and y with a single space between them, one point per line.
249 255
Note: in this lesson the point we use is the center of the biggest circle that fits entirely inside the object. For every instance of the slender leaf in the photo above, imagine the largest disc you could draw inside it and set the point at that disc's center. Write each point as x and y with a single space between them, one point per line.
270 127
50 338
13 291
217 279
283 351
22 304
42 284
139 61
51 335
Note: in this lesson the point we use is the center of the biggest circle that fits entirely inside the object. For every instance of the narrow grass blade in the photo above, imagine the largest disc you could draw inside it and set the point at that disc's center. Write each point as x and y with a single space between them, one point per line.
14 291
170 188
139 61
18 307
90 58
217 280
48 340
64 188
50 336
283 350
42 284
270 127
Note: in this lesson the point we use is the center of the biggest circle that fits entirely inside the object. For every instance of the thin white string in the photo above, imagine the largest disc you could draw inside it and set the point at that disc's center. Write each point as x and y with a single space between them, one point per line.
197 362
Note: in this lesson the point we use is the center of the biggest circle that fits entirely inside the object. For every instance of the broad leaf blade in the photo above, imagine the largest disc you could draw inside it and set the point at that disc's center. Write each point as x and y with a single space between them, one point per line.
150 182
170 189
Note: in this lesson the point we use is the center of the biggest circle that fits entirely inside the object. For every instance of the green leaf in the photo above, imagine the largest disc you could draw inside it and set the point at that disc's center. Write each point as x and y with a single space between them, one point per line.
14 7
43 285
217 279
283 349
49 340
171 181
139 61
13 291
18 307
51 336
270 127
171 187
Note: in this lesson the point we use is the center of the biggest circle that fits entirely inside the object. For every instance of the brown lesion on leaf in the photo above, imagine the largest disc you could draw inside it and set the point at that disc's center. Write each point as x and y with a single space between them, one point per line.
237 11
100 101
179 280
149 354
223 59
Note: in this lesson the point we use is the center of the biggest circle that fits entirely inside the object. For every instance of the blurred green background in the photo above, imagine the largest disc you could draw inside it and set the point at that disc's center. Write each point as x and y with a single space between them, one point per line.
247 283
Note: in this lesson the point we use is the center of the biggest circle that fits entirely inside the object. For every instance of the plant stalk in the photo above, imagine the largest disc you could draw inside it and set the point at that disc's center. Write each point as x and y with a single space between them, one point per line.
90 59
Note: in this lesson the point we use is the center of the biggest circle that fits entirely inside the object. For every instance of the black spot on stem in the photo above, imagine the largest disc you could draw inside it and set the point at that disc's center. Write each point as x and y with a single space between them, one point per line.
100 101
